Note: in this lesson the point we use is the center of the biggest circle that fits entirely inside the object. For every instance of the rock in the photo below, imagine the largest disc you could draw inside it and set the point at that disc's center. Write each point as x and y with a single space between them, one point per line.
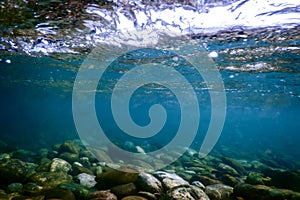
50 179
148 195
3 195
254 192
43 153
134 198
124 190
226 169
86 180
255 178
170 183
162 175
230 180
4 156
70 157
101 155
234 164
186 193
60 165
219 192
80 191
147 182
102 195
15 187
58 193
69 146
86 153
198 184
25 155
283 179
12 171
204 179
85 162
32 189
170 180
77 168
114 177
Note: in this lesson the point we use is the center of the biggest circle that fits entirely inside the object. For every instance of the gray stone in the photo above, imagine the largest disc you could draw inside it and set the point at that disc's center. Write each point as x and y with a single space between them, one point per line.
60 165
171 183
87 180
147 182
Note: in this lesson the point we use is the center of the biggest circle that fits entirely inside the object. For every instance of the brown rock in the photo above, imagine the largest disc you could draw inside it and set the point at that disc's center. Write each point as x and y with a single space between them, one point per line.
133 198
59 194
254 192
124 190
114 177
102 195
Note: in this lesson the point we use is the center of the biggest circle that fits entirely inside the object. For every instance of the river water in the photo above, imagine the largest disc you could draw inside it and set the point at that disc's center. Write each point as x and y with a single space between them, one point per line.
255 46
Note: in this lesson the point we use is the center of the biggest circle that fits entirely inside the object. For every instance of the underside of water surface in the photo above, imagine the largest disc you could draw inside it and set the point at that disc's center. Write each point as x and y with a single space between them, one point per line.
254 46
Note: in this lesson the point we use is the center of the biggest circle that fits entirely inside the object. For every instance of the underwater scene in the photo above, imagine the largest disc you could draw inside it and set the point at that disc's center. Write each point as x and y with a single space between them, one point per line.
149 100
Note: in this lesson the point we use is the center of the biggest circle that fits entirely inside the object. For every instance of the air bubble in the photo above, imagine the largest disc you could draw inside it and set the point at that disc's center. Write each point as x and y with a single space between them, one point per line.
213 54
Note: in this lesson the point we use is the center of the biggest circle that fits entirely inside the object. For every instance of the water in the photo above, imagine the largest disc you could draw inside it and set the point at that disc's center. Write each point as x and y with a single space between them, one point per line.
259 63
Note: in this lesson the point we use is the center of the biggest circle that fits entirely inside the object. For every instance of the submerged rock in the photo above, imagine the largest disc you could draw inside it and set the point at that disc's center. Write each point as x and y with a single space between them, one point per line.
219 192
134 198
86 180
186 193
255 178
124 190
205 180
234 164
58 193
80 191
69 146
102 195
60 165
12 171
254 192
113 177
50 179
170 180
147 182
15 187
283 179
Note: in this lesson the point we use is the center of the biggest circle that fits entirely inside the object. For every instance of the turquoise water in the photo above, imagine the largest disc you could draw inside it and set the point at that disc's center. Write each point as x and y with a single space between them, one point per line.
263 104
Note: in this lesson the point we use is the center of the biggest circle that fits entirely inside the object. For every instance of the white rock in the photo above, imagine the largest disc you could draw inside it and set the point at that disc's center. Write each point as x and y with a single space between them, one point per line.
87 180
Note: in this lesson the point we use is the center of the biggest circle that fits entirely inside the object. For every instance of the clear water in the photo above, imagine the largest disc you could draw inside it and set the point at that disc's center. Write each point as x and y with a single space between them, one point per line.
261 79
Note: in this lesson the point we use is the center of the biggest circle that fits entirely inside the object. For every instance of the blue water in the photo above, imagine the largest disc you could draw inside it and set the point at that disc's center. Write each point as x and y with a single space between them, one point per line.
263 108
